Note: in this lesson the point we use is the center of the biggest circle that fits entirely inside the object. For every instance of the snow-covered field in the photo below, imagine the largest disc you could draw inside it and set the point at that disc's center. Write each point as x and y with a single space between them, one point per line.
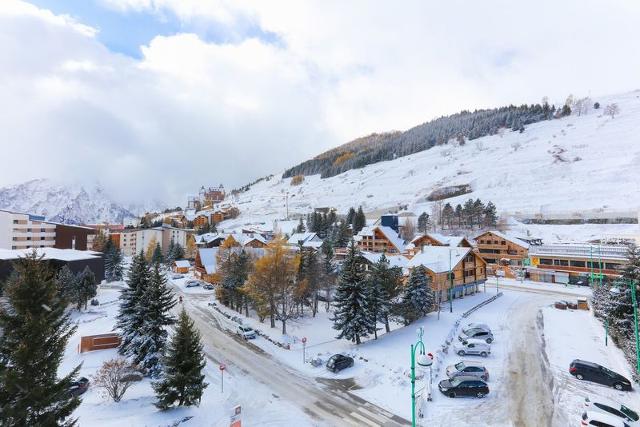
137 409
570 166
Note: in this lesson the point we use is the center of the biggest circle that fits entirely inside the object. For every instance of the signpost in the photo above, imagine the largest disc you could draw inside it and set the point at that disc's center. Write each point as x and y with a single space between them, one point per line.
235 420
222 368
304 348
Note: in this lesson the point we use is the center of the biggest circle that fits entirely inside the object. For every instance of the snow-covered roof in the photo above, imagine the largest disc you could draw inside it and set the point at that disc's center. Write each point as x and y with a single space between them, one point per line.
439 258
505 236
209 237
296 238
243 238
394 260
443 239
182 263
50 253
388 232
208 259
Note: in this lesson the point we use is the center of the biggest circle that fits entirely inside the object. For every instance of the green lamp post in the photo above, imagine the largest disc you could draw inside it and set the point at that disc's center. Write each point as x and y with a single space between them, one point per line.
423 360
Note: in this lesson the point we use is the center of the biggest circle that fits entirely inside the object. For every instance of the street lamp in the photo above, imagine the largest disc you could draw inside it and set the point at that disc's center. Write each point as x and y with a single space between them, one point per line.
423 360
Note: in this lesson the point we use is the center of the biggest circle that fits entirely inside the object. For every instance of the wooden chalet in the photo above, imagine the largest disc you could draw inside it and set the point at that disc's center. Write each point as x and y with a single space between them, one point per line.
379 238
497 248
434 239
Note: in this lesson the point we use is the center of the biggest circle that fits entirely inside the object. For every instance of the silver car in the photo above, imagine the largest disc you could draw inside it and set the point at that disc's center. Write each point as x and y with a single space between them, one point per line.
476 331
472 347
468 368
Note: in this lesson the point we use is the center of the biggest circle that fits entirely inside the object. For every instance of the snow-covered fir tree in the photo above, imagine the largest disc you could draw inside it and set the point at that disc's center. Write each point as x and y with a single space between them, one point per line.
65 280
182 381
113 264
129 319
418 298
384 285
85 287
157 258
352 316
35 332
154 307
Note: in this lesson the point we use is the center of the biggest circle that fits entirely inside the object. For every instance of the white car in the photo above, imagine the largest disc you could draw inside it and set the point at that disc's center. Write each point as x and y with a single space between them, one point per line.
593 418
472 347
611 407
191 284
246 332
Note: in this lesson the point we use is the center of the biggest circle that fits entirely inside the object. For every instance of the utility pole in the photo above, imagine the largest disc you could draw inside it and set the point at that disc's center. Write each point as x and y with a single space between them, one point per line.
450 285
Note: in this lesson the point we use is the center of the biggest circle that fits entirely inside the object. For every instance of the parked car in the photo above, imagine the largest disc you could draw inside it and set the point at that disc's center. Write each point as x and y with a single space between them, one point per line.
593 418
464 386
177 276
212 304
477 332
192 283
208 286
583 370
338 362
246 332
469 369
615 408
472 347
79 387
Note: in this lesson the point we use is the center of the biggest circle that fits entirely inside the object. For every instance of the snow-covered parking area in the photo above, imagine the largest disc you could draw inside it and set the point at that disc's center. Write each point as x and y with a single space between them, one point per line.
380 374
576 334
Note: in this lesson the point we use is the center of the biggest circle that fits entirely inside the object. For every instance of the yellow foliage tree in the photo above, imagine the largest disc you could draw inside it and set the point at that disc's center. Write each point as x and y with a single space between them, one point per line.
190 250
150 248
272 285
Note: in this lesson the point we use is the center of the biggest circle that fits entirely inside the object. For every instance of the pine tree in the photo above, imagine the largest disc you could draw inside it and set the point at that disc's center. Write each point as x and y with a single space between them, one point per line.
65 281
378 296
447 214
129 319
459 214
157 258
350 215
171 254
490 215
359 221
182 380
352 316
35 331
467 211
300 228
113 268
478 211
85 287
418 298
155 306
423 223
178 251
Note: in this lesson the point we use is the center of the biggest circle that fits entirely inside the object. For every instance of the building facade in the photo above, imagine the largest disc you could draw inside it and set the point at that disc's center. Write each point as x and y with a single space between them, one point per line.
74 237
25 231
379 238
498 248
576 263
134 240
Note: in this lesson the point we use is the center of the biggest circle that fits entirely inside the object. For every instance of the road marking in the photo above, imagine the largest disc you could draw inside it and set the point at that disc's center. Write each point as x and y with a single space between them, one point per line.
372 415
363 419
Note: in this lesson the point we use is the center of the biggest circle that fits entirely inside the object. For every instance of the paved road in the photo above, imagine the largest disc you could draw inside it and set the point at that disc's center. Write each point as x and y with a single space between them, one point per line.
327 403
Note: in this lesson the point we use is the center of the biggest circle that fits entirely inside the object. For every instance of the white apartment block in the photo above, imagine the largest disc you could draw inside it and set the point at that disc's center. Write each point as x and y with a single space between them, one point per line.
134 240
25 231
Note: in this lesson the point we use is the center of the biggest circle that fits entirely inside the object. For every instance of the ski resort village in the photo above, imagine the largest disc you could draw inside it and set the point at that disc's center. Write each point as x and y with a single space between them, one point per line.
232 214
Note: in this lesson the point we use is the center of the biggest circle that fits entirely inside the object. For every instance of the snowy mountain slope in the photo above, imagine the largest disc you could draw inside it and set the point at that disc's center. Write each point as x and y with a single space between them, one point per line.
73 204
575 164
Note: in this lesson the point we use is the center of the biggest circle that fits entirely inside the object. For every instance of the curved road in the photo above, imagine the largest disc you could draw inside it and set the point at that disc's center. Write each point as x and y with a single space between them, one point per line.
327 404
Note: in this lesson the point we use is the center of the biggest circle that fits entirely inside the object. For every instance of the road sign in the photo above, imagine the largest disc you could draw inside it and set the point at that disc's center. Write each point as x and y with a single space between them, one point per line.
222 367
235 419
304 340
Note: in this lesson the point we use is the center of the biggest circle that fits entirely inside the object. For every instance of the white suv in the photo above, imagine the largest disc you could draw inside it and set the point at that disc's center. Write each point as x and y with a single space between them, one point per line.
472 346
245 332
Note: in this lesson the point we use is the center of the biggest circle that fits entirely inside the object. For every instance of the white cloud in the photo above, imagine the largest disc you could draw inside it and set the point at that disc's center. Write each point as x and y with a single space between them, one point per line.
191 112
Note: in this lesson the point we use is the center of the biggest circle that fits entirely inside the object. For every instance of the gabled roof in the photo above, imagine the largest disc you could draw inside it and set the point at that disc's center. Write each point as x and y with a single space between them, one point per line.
394 260
297 238
439 258
444 240
388 232
513 239
182 263
208 259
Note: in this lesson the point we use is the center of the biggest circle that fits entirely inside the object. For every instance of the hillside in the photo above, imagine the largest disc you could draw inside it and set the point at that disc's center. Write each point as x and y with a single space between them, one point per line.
572 165
72 204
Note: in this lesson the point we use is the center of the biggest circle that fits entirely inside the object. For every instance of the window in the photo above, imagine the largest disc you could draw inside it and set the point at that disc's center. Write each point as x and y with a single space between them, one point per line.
573 263
546 261
42 238
29 238
503 242
28 230
612 266
15 221
561 262
15 238
43 230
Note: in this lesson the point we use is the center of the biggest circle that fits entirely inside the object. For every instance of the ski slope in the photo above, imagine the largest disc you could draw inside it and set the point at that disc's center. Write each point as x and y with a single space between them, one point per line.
575 165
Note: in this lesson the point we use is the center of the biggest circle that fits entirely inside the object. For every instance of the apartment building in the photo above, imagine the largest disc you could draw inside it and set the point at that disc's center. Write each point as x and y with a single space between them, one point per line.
134 240
25 231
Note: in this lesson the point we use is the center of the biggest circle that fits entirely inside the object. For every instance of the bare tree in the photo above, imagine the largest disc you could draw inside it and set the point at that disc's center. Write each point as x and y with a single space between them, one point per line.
582 105
436 214
115 378
408 230
612 110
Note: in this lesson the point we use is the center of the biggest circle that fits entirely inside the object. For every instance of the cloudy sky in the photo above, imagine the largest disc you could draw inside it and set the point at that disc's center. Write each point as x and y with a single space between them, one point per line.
154 98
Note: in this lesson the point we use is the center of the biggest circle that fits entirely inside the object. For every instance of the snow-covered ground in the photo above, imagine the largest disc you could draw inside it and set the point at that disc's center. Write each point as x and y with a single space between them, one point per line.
568 166
137 409
380 374
576 334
